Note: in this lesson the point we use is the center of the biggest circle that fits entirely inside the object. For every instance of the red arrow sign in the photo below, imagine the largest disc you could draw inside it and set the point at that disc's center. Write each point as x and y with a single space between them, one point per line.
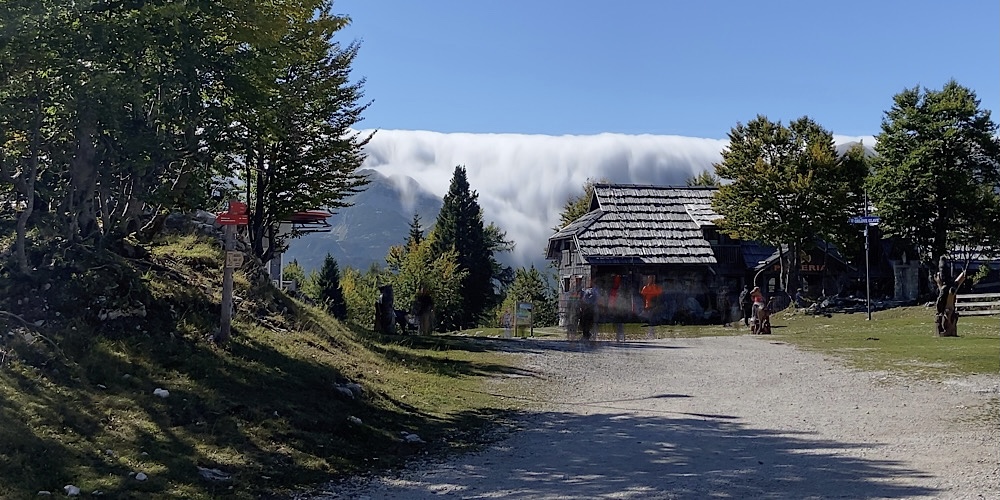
229 219
237 207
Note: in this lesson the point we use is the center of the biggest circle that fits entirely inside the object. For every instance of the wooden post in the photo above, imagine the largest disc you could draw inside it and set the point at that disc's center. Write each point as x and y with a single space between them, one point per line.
227 287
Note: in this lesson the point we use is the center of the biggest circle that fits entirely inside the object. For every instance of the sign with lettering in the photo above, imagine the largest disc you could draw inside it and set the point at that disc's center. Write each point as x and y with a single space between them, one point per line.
234 259
229 219
866 219
237 207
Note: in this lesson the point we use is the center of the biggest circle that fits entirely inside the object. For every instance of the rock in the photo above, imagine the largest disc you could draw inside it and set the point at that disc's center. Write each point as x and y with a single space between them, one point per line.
354 420
355 389
71 490
138 311
204 217
141 476
175 222
213 474
44 493
163 393
344 391
412 438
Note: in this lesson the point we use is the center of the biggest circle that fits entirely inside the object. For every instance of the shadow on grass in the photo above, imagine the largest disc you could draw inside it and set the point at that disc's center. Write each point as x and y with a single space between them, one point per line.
406 350
567 455
529 345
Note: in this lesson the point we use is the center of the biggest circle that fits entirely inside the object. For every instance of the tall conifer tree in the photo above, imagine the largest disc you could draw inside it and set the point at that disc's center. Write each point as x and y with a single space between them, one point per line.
460 227
416 231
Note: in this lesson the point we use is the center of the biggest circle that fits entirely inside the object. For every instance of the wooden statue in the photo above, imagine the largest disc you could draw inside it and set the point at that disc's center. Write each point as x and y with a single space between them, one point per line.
946 319
385 313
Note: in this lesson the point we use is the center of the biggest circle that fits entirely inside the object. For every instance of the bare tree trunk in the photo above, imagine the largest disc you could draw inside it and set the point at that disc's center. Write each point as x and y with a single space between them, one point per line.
82 221
106 203
24 183
28 189
946 317
128 213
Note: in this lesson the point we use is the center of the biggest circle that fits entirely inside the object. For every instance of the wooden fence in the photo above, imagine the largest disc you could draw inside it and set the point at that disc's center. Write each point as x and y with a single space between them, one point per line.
978 304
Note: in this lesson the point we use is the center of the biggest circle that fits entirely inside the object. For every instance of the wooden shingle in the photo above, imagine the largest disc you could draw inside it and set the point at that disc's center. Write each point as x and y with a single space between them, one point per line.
651 224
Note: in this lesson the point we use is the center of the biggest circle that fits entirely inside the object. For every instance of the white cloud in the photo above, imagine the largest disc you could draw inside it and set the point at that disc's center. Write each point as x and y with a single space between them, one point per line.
524 180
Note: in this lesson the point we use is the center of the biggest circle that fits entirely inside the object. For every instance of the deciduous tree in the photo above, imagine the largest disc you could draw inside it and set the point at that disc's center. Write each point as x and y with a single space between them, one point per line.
530 285
936 176
294 125
787 186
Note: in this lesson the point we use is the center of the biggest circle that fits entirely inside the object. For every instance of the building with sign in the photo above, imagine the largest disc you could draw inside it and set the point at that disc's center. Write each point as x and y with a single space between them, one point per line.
633 232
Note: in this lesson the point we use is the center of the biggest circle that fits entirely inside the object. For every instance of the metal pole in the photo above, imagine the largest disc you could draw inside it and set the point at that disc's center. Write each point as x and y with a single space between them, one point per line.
868 279
227 288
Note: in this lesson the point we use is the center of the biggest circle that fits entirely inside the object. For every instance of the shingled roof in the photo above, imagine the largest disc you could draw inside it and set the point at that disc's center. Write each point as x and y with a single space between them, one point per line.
638 224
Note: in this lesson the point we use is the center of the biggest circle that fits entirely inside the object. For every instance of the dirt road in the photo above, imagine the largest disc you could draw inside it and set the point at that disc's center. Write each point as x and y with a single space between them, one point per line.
724 417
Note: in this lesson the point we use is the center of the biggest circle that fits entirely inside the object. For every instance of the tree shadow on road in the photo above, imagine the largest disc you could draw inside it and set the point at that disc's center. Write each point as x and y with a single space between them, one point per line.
670 455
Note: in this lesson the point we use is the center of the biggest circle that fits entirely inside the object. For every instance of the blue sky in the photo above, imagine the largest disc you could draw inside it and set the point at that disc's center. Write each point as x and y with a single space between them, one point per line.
689 68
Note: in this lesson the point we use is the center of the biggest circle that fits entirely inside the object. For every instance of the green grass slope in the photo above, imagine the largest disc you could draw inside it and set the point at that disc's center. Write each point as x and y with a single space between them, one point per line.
77 402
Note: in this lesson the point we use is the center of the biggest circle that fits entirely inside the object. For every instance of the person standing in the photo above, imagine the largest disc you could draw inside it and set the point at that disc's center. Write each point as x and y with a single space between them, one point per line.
746 305
573 311
423 309
587 311
651 298
614 308
757 297
722 301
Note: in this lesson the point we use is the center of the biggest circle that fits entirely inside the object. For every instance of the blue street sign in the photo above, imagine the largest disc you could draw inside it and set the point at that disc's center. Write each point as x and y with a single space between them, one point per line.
866 219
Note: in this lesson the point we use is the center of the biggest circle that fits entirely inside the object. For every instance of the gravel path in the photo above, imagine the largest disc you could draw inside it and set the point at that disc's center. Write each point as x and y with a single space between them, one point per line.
723 417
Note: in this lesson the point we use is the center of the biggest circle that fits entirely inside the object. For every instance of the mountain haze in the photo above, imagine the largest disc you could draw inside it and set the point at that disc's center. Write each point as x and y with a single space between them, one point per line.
361 234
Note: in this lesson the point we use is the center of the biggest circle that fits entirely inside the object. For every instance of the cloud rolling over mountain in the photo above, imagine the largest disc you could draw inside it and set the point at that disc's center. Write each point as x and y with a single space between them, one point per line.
523 181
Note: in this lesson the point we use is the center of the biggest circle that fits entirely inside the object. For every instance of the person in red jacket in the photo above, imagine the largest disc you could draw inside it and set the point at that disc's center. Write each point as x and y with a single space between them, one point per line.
651 302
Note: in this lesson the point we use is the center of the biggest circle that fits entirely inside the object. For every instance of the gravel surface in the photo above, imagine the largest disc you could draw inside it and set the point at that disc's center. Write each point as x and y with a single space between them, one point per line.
724 417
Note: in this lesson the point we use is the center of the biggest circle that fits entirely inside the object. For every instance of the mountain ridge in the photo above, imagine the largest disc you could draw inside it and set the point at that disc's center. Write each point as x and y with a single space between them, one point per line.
360 235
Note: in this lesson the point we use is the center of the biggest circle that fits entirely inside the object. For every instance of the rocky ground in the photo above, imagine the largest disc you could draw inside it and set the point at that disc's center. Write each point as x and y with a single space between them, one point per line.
723 417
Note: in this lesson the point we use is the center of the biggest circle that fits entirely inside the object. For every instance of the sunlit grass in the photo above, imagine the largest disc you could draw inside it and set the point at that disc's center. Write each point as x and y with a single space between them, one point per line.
263 408
898 340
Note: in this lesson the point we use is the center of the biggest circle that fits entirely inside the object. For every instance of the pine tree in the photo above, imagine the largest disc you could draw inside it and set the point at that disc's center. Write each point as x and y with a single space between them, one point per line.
577 206
460 227
416 231
705 178
327 283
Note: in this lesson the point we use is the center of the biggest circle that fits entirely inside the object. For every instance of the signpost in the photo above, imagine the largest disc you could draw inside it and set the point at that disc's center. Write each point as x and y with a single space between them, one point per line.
235 216
870 220
867 220
230 219
523 317
234 259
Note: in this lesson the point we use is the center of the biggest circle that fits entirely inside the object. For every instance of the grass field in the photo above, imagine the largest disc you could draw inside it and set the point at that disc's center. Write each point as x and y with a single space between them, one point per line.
899 340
